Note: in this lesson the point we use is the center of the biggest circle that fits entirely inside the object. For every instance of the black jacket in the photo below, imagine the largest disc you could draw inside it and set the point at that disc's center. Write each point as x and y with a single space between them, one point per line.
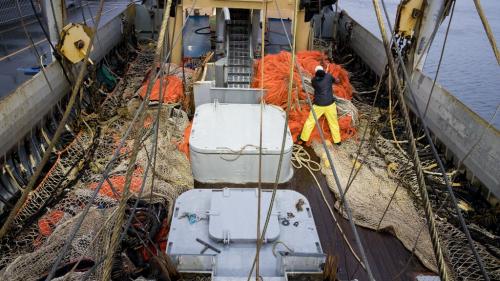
323 95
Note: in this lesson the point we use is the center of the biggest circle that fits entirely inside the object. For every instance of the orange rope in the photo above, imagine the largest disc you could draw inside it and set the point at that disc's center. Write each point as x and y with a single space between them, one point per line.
276 77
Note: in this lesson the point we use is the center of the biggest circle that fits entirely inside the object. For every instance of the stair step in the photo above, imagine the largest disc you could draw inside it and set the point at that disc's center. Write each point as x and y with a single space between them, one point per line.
236 54
238 79
239 37
239 62
239 69
236 85
238 22
237 27
240 49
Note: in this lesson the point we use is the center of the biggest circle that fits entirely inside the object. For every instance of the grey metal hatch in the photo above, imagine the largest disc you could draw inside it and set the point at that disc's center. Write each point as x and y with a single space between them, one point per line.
233 216
228 128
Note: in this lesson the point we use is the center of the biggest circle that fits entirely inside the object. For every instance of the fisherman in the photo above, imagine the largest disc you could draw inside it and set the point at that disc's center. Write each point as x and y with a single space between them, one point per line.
324 103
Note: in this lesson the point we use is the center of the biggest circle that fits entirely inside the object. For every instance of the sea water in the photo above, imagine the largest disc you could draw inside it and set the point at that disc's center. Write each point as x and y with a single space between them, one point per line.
469 69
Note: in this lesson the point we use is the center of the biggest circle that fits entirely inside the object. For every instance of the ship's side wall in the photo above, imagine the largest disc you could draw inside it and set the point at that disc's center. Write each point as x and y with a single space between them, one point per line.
451 122
22 110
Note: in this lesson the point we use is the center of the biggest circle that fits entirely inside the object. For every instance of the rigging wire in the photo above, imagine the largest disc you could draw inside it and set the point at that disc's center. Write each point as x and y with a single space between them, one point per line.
83 12
55 19
47 37
428 101
261 121
349 214
301 158
363 138
443 203
149 161
116 238
334 218
436 245
107 170
283 142
429 139
31 184
156 126
37 54
353 228
105 176
155 144
487 29
440 59
433 35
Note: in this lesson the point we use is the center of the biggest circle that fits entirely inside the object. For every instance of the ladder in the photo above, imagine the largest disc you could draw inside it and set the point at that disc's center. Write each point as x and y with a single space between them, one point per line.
239 59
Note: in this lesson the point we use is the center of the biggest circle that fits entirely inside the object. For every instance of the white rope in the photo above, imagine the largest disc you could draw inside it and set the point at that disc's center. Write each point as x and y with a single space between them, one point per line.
302 159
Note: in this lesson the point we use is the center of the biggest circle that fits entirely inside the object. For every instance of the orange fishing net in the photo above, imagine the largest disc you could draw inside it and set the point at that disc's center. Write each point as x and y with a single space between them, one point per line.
276 79
118 184
47 223
183 146
172 89
148 121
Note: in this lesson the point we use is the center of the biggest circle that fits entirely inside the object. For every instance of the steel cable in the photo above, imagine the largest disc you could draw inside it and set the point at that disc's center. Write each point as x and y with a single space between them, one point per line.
356 234
420 177
262 104
37 54
440 59
47 37
294 62
283 142
31 184
106 172
443 203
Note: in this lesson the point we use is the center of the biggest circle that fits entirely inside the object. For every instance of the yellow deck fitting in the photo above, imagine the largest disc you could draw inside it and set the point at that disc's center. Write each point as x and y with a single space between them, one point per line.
75 38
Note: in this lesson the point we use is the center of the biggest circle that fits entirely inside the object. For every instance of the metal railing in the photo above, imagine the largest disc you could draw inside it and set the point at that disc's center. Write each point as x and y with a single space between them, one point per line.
9 12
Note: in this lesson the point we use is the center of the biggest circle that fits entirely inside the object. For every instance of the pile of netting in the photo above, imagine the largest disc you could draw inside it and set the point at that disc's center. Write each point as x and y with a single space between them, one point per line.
384 195
171 84
369 193
276 80
45 223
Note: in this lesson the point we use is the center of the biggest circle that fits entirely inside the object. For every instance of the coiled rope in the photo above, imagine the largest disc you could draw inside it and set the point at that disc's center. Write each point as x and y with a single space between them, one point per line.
302 159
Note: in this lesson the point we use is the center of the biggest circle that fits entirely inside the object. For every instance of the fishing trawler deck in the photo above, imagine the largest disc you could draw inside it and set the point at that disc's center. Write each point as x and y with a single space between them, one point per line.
386 254
214 231
117 197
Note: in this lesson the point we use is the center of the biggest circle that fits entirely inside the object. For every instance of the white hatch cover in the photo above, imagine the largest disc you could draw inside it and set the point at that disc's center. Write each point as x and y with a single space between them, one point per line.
233 216
235 128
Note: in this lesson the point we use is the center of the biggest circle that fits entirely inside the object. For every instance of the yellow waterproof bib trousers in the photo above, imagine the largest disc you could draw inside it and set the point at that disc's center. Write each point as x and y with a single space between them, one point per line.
330 112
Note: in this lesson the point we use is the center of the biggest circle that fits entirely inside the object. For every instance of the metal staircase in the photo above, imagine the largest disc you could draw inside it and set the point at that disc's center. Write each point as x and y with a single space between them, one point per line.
239 57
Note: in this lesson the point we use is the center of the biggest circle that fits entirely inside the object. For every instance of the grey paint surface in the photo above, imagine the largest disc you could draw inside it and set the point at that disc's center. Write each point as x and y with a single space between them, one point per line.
453 123
23 109
366 45
205 92
224 143
16 52
235 257
459 128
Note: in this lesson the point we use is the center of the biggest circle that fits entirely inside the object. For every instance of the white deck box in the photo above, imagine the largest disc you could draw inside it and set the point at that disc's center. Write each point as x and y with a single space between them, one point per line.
224 144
